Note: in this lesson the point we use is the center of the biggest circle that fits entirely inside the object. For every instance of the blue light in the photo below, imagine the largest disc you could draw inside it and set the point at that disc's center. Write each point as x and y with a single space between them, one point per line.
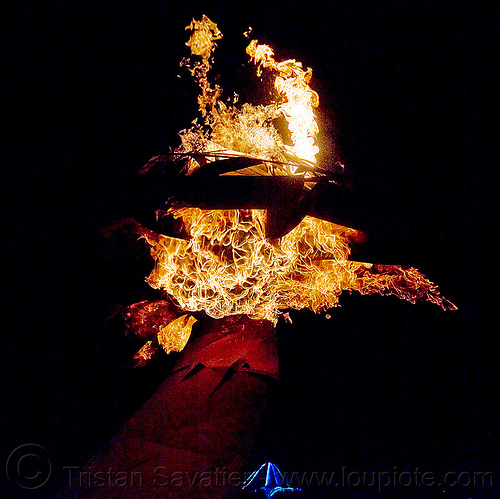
274 482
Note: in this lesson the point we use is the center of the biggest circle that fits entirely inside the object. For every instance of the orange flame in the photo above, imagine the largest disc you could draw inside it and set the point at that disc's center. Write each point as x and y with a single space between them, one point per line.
298 109
174 336
249 129
227 266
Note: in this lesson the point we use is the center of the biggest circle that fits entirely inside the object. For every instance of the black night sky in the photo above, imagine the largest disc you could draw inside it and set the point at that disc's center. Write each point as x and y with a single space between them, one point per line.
94 89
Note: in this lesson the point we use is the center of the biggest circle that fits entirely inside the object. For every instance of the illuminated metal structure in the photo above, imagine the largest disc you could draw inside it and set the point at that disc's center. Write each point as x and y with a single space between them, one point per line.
269 480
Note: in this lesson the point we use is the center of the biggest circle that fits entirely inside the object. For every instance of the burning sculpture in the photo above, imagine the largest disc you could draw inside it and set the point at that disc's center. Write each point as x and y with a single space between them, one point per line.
235 264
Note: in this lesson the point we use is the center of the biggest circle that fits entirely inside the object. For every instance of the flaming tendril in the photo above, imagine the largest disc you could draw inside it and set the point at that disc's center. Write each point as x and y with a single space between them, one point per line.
228 267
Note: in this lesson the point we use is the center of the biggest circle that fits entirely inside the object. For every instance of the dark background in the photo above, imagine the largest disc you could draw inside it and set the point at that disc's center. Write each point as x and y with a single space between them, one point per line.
406 93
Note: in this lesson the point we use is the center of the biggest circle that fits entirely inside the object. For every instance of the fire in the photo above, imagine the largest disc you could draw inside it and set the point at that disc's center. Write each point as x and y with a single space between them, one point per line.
175 335
292 81
202 44
248 129
227 266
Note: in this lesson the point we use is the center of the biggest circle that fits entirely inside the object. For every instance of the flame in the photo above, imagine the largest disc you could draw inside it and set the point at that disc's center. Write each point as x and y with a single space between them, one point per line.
158 320
292 81
145 353
228 267
249 129
174 336
202 44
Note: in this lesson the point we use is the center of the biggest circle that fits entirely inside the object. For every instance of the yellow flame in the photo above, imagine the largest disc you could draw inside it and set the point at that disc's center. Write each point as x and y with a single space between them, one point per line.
145 353
228 267
205 34
202 43
174 336
292 81
248 128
